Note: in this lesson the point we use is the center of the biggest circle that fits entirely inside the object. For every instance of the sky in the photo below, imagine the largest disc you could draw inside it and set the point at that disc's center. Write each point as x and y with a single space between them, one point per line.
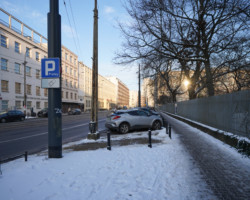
165 171
77 31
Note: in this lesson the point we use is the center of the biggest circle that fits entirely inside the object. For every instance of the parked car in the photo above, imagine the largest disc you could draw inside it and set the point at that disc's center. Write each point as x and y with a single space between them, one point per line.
124 121
12 115
43 113
147 109
76 111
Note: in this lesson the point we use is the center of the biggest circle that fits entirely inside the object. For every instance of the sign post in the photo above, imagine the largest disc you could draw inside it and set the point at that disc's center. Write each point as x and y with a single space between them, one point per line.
52 68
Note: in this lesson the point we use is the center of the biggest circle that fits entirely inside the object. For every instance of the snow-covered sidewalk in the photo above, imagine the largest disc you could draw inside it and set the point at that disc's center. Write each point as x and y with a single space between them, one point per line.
136 172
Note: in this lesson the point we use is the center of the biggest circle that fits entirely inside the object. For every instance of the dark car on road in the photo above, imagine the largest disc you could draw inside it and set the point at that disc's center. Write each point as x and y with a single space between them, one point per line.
76 111
12 115
43 113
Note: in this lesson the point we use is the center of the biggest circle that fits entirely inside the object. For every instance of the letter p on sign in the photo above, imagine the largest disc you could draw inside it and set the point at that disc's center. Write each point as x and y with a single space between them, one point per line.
49 69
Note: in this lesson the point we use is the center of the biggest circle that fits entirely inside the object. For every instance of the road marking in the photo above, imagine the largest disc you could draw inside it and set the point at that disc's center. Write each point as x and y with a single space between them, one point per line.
39 134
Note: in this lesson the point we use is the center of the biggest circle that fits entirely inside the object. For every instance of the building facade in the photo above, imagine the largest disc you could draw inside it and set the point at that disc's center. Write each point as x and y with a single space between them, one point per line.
121 92
85 85
133 98
20 52
23 50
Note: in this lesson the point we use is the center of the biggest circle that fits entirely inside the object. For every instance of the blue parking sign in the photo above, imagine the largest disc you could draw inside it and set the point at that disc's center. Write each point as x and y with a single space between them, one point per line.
50 68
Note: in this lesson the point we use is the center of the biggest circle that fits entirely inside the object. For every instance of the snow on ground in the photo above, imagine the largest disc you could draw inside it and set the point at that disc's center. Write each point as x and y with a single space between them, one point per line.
136 172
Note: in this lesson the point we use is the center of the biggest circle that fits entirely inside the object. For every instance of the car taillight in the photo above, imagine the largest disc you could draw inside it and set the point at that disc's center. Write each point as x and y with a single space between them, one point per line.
116 117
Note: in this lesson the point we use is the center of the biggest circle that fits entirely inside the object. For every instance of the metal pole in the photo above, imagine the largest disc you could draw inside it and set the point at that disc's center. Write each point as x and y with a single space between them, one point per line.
108 138
169 127
54 94
139 89
149 139
24 83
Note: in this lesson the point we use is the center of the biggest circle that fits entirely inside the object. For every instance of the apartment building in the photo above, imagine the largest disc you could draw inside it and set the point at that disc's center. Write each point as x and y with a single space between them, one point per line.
121 92
24 46
133 98
69 82
20 52
85 86
106 93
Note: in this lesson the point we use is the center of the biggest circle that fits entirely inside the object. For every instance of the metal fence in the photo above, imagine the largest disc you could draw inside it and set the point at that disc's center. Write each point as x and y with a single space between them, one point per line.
229 112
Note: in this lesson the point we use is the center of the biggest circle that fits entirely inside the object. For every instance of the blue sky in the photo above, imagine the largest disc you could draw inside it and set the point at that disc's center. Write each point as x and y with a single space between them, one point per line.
34 14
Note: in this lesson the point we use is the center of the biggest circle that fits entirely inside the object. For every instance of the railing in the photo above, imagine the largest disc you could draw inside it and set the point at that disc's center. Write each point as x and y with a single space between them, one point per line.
23 26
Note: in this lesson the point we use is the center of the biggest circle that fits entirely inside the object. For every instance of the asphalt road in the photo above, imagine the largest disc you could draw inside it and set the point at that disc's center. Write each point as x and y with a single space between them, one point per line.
32 134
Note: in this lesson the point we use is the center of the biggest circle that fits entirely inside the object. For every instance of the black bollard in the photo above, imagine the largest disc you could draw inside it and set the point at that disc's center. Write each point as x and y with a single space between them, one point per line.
169 131
166 126
26 156
109 143
149 139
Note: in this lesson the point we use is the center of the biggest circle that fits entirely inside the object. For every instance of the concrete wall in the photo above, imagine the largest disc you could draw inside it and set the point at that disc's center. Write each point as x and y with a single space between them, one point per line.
230 112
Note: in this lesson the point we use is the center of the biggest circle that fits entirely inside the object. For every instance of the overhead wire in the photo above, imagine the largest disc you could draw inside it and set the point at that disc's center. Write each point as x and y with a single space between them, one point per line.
75 27
70 26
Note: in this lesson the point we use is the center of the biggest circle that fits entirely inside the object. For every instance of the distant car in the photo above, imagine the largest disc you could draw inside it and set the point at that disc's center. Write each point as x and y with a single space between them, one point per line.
76 111
12 115
43 113
125 120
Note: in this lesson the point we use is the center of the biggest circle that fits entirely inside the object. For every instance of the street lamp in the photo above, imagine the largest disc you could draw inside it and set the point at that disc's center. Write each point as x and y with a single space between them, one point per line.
24 79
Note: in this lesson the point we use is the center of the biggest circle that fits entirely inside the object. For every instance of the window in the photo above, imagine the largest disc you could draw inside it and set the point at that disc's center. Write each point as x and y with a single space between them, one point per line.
70 59
29 104
66 69
4 86
74 73
67 95
66 56
38 91
4 64
45 92
71 84
5 104
74 84
18 104
71 95
28 71
38 104
3 41
17 47
66 82
38 73
18 88
37 56
75 61
17 68
62 94
29 89
70 71
27 52
45 104
75 96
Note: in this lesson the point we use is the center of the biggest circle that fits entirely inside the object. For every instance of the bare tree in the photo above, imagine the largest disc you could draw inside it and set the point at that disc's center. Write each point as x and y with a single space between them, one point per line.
198 36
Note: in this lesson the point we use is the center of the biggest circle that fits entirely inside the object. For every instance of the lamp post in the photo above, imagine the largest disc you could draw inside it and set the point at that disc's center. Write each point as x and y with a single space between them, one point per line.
24 79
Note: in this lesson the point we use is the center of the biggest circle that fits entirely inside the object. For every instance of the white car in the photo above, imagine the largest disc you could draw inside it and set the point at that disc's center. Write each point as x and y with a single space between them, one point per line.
125 120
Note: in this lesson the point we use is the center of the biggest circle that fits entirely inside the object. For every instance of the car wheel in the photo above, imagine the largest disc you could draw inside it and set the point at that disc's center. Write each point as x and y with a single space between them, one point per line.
3 120
156 125
22 118
124 128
